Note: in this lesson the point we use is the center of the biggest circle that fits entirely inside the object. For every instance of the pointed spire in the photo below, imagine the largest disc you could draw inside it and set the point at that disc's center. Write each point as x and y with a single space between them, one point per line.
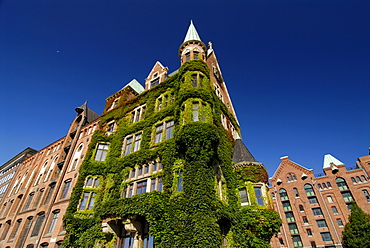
192 33
329 159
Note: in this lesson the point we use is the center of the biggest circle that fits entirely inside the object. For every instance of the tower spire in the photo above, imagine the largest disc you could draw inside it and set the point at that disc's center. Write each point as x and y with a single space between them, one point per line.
192 33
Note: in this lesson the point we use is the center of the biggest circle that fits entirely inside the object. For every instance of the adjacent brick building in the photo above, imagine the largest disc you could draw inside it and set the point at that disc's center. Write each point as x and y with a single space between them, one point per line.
314 209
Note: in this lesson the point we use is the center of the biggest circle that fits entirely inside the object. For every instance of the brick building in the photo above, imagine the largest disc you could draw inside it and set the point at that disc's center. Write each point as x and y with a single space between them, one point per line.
314 209
39 187
167 156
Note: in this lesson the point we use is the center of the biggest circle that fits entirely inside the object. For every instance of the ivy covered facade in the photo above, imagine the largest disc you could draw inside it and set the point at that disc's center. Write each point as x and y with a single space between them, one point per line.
167 168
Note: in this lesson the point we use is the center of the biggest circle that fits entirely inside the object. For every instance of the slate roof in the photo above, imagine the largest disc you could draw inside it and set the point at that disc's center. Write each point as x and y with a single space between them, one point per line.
241 153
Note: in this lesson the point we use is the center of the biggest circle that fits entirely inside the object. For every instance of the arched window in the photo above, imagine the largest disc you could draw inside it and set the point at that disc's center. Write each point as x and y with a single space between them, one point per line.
295 190
358 179
366 194
291 177
342 185
353 180
329 185
324 185
363 178
309 189
283 195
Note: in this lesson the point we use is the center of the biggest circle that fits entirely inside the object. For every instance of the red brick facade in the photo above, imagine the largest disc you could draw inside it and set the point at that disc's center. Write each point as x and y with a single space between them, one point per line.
314 209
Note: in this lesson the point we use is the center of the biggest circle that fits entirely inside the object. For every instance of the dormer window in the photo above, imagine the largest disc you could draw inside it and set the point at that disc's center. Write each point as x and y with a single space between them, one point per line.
154 82
115 103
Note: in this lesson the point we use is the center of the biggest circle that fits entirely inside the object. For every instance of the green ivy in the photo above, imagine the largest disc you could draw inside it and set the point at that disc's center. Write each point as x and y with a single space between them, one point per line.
193 217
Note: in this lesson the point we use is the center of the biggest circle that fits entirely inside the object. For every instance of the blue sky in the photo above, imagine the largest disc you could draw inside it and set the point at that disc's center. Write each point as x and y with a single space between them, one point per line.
298 72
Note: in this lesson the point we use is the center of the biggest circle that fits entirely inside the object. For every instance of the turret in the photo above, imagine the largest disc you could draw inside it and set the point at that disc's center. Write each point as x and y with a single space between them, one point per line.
192 47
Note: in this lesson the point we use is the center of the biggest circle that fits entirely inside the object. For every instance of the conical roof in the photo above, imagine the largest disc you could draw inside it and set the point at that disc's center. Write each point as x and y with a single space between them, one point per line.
192 33
241 153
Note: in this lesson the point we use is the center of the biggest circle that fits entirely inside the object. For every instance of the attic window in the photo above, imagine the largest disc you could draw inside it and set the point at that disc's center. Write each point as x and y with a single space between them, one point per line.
154 82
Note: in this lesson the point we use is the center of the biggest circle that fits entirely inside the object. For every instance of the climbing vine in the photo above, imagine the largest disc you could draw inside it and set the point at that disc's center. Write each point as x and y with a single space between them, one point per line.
194 216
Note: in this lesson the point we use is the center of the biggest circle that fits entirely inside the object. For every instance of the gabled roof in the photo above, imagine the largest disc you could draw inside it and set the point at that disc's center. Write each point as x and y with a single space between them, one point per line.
89 113
241 153
192 33
328 159
135 85
286 158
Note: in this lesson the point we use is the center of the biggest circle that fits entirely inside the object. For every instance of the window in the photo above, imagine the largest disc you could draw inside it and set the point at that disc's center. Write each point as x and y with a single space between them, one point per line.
38 200
187 56
196 54
132 143
164 100
129 240
25 231
29 200
244 200
312 200
101 152
115 103
334 209
305 220
164 131
258 192
297 242
341 183
353 180
66 186
15 229
74 164
295 190
347 196
148 242
291 177
293 229
289 217
358 179
45 245
30 246
313 244
317 211
340 222
53 221
363 178
321 223
309 189
349 206
329 185
301 208
366 194
330 199
197 80
283 195
141 187
87 201
320 187
36 228
179 182
281 241
198 111
160 185
286 206
50 193
153 184
324 185
309 232
326 236
110 127
138 113
6 229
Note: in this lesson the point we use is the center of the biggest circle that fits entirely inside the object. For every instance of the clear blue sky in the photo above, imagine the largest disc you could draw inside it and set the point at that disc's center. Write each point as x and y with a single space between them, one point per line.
298 72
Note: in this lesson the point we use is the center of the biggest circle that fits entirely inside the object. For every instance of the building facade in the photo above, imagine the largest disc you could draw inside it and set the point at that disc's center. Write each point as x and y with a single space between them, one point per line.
314 209
168 168
40 185
164 166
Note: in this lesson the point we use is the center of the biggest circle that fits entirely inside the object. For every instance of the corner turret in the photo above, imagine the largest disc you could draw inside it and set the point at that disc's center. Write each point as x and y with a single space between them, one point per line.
192 47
